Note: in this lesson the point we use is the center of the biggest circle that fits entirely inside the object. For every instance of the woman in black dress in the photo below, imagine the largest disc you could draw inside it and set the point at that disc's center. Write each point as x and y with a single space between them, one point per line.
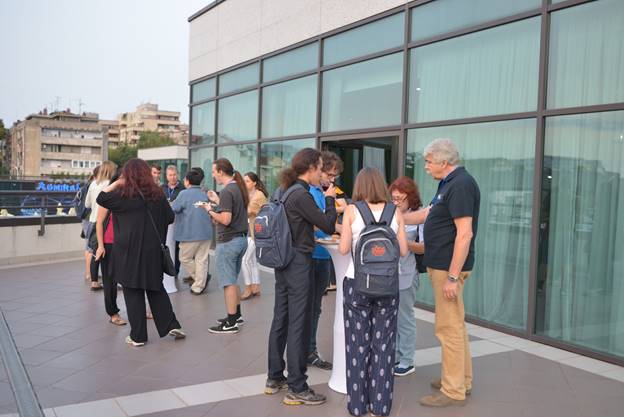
138 257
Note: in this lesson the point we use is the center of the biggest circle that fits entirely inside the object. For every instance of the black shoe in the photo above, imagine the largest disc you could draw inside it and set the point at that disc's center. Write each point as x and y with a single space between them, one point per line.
306 397
315 360
225 328
208 276
188 280
273 386
239 321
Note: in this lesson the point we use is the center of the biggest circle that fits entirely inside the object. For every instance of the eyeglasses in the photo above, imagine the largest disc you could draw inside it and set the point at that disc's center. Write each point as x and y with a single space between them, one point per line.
398 200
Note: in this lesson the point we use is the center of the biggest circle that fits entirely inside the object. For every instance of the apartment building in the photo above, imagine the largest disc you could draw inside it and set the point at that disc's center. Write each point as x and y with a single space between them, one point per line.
149 117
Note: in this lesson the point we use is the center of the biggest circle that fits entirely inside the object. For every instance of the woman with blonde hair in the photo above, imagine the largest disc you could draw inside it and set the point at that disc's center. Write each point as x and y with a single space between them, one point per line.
101 181
370 321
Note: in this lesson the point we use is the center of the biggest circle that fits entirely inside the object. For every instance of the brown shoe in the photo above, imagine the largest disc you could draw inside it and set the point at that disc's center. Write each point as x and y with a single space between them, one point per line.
439 399
437 384
255 289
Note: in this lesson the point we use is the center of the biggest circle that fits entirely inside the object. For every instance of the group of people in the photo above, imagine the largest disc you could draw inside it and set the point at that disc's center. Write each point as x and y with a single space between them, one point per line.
130 214
380 331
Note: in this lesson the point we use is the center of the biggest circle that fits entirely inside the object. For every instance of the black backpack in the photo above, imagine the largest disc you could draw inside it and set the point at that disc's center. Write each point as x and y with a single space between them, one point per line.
272 232
377 254
79 203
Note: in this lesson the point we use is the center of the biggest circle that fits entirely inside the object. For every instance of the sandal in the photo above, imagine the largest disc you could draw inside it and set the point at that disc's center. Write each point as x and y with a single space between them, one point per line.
97 287
117 321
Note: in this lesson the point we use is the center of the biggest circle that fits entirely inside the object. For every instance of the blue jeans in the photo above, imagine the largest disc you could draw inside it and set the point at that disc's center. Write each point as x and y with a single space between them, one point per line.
406 325
228 260
321 268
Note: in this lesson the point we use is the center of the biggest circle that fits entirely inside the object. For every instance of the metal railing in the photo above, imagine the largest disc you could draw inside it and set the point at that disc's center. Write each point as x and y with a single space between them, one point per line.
47 206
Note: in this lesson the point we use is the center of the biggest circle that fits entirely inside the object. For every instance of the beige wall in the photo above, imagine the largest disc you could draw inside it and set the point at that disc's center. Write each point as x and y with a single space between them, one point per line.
239 30
61 241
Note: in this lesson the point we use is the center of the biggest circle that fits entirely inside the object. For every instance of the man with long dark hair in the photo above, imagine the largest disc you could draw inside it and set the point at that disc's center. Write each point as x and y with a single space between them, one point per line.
290 328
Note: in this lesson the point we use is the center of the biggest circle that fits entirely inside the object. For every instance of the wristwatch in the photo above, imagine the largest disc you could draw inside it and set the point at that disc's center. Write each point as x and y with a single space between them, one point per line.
452 278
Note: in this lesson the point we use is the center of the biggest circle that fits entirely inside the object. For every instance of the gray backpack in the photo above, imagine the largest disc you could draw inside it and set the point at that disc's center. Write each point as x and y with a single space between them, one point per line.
376 256
272 232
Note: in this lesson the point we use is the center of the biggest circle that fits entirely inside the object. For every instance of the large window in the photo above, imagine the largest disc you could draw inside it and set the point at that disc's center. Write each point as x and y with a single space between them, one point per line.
204 90
292 62
580 290
500 157
586 55
289 108
275 156
363 95
443 16
242 157
490 72
238 117
239 78
372 37
203 158
203 124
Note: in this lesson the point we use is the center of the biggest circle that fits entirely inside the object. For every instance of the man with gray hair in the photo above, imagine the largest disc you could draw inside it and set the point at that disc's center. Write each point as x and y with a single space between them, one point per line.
449 233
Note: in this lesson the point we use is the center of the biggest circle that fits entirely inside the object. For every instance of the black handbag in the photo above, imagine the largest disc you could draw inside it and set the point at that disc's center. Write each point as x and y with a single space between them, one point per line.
167 263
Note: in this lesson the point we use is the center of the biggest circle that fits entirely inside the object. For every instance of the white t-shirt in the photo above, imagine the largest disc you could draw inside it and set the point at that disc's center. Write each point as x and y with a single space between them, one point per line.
90 200
356 229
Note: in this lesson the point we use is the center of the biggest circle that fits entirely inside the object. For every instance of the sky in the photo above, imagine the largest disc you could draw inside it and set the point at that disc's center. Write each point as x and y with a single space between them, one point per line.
110 54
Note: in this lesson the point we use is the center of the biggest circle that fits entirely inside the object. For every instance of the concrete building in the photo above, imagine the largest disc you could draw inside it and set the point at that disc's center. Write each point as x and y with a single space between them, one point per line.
58 143
113 131
531 91
149 117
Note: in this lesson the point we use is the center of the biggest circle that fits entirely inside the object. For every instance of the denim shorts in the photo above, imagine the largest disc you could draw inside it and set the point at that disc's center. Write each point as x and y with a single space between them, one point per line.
229 258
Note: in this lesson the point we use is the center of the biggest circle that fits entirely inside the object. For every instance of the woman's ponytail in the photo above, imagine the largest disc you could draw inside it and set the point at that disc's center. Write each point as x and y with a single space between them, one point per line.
241 186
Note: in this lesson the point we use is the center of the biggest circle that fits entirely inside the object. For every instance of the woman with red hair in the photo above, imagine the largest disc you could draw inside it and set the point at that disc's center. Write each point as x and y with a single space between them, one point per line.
138 257
405 196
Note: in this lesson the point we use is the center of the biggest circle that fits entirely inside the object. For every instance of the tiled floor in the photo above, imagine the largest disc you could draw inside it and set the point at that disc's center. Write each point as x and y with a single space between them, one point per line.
80 365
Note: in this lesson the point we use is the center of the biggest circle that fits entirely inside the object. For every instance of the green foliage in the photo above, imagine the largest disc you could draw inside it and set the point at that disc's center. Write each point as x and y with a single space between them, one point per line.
122 154
151 139
3 131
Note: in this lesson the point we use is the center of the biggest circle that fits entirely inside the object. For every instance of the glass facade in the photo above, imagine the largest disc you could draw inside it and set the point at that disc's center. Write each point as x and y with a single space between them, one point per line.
383 34
289 108
532 94
238 117
203 158
580 291
204 90
363 95
490 72
292 62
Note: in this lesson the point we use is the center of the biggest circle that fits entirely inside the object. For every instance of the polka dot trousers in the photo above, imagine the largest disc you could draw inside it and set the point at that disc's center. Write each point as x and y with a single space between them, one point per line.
370 335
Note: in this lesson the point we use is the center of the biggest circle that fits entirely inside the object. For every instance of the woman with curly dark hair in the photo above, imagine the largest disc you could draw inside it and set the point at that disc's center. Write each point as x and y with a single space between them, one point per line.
135 200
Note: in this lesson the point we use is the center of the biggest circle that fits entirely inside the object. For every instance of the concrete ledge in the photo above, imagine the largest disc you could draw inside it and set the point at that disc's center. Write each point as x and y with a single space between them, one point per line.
46 258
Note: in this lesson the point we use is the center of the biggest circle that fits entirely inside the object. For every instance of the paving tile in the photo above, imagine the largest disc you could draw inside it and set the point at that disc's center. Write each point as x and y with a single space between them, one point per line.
549 352
204 393
43 376
617 374
36 356
103 408
53 397
27 340
134 405
589 364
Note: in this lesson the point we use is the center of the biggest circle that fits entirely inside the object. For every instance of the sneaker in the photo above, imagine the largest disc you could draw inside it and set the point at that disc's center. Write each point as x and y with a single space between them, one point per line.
306 397
224 328
404 371
439 399
239 321
273 386
437 384
177 334
314 359
133 343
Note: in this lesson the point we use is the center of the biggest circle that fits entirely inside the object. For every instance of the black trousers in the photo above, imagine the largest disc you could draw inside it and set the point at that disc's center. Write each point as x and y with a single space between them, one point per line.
94 266
108 282
159 302
290 328
177 258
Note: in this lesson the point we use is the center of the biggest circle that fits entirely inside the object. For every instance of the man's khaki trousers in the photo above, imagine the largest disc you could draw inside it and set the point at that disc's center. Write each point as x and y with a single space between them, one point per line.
450 329
194 256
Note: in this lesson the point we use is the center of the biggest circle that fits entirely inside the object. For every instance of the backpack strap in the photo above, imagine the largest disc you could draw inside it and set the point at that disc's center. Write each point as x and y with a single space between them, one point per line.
387 214
288 192
365 212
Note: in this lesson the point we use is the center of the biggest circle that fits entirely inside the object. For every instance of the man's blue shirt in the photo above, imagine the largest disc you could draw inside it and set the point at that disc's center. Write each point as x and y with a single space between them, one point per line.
319 198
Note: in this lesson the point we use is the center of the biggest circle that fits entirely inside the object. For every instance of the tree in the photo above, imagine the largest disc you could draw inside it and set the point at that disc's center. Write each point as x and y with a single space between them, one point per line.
122 154
4 133
152 139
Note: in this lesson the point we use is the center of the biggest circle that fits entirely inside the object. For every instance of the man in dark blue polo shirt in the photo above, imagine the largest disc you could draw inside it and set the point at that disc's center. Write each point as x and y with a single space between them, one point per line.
449 233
